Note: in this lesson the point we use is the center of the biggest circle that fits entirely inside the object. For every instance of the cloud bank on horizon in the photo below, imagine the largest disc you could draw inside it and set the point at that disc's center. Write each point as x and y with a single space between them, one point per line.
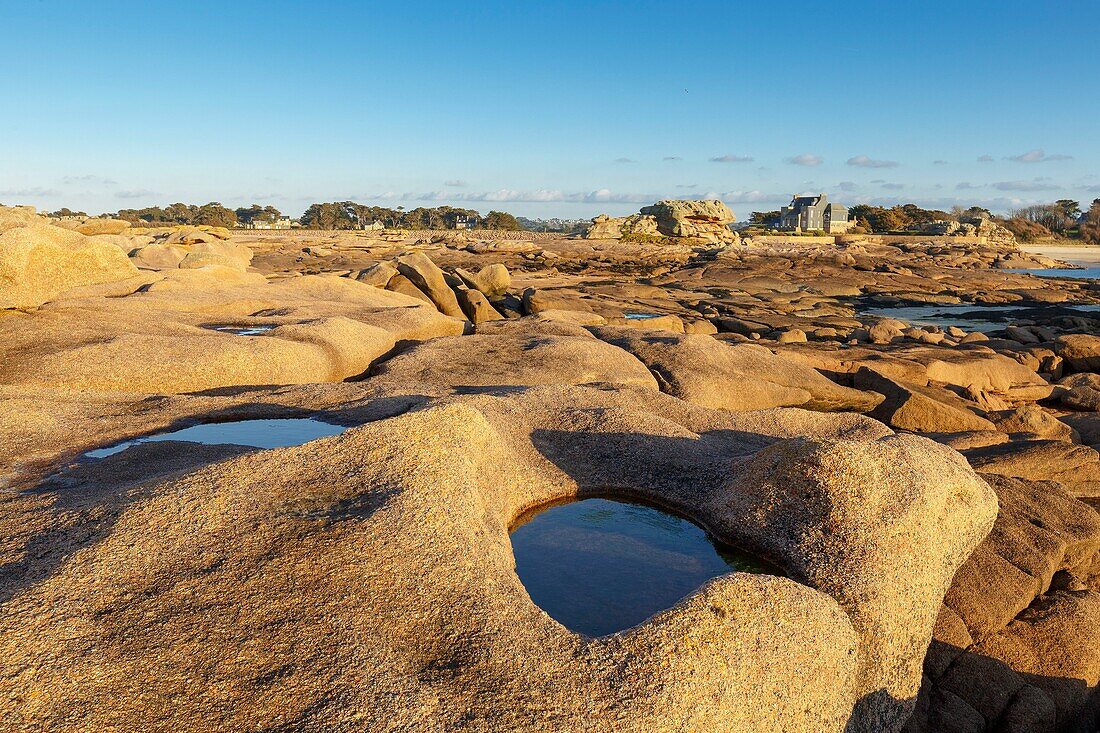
447 116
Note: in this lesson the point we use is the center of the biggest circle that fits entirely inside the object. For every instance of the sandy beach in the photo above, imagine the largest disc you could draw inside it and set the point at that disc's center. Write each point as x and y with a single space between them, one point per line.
1077 254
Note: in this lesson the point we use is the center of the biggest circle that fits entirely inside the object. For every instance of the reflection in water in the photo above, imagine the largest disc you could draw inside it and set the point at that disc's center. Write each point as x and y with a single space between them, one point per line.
241 330
1087 273
276 433
598 566
974 316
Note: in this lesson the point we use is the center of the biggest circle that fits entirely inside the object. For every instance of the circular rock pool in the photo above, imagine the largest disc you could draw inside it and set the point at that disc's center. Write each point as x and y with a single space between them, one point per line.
598 566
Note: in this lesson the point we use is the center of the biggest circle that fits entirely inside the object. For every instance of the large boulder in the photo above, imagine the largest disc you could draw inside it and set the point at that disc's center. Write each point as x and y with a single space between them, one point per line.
1017 637
708 372
919 407
1080 351
96 226
822 510
1077 467
39 261
424 274
707 220
199 359
217 252
510 360
491 280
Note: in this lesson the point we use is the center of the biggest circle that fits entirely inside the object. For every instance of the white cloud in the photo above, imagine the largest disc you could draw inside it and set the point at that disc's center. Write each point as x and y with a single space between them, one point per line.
732 159
893 186
139 193
88 179
31 192
625 160
848 186
965 186
862 161
1035 185
985 158
806 159
1038 156
455 183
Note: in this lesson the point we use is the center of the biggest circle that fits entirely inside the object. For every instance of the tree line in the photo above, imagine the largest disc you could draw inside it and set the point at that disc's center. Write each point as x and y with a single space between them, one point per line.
332 215
1062 218
350 215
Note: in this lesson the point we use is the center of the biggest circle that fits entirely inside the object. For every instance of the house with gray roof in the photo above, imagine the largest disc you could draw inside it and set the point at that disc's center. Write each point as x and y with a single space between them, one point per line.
814 213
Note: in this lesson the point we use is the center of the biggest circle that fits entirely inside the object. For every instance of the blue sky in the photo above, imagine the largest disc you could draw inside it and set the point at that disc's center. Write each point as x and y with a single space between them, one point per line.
547 109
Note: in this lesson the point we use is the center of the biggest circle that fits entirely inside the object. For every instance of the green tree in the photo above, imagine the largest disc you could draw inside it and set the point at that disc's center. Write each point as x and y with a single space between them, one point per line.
213 214
764 218
65 211
255 213
1090 227
1069 207
501 220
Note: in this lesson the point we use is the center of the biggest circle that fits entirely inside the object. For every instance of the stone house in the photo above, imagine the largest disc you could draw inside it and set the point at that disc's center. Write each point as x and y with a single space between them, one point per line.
283 222
814 213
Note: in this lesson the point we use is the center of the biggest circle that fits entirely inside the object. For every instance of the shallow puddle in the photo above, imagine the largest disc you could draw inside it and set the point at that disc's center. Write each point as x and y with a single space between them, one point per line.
241 330
974 316
275 433
598 566
641 316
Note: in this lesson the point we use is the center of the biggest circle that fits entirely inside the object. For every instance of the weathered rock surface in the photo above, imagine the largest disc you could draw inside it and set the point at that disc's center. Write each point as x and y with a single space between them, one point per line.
160 340
508 360
701 219
39 261
491 280
366 581
919 407
1014 643
707 372
424 274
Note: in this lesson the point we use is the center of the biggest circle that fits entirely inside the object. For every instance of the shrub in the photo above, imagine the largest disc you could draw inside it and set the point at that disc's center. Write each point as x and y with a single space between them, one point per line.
1026 230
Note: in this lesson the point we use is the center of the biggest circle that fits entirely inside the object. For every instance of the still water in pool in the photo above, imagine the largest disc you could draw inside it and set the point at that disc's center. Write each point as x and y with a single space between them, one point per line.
276 433
598 566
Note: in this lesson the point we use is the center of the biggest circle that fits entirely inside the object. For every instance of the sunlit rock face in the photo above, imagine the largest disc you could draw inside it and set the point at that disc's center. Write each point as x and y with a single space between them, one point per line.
369 577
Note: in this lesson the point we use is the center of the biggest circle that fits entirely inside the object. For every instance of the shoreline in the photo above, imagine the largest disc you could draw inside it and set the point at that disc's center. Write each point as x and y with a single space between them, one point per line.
1075 254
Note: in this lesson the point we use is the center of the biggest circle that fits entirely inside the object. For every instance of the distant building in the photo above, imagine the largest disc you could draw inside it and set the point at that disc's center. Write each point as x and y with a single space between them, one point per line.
814 213
372 226
465 222
283 222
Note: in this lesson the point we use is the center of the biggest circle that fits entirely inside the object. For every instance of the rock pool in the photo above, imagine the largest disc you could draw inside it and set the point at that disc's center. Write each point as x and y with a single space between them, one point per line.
598 566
